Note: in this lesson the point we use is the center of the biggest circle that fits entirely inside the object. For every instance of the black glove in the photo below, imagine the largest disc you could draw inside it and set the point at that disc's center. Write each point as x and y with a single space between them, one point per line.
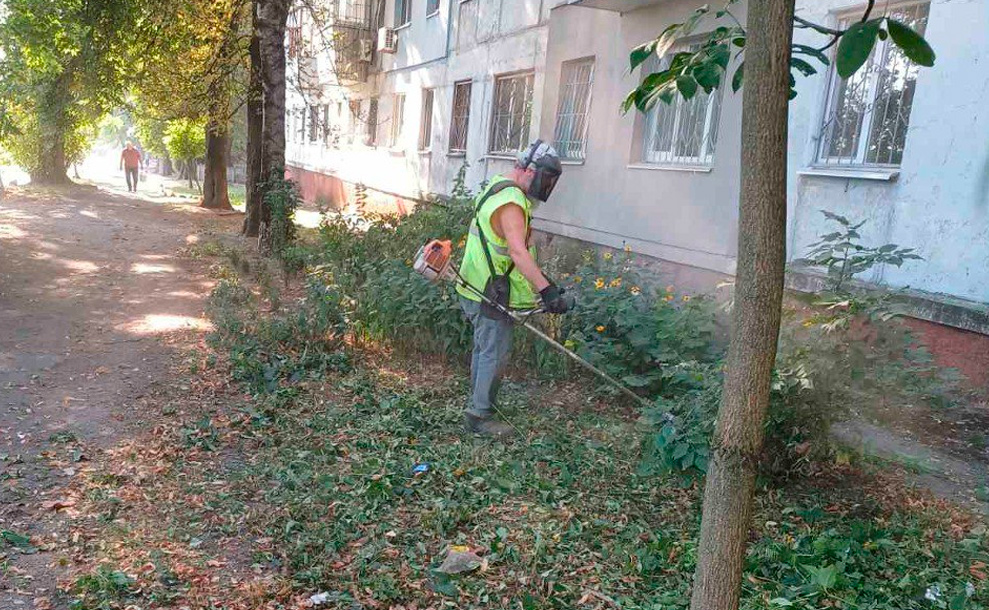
555 299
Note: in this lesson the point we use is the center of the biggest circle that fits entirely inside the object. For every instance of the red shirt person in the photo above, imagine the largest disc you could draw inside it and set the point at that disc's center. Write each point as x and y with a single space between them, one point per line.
130 162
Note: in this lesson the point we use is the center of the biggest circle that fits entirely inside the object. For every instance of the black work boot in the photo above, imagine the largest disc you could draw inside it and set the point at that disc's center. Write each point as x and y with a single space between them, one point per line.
486 426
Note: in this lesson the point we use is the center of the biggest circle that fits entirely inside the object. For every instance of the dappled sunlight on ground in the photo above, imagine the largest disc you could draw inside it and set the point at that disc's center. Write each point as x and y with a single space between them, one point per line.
143 268
80 266
11 232
309 219
154 324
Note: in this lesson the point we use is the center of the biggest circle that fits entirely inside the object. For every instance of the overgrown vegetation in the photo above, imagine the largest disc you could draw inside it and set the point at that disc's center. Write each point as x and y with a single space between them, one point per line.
839 352
345 475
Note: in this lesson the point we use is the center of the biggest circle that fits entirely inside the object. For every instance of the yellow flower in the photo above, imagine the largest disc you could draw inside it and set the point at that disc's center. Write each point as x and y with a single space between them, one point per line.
636 290
686 298
599 283
577 279
668 298
600 329
615 283
628 248
670 288
607 256
460 244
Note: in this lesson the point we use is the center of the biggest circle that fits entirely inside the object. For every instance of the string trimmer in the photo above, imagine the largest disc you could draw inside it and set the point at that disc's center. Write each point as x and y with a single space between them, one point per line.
434 261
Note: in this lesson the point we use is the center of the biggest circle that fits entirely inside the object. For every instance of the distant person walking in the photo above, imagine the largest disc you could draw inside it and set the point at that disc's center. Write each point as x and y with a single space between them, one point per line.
130 162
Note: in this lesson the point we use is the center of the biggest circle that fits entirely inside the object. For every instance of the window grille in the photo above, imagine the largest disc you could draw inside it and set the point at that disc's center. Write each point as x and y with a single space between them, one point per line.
397 119
867 115
426 124
313 123
460 117
512 113
574 104
683 132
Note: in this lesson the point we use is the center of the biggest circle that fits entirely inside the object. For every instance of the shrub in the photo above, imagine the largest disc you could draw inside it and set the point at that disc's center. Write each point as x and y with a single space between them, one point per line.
268 351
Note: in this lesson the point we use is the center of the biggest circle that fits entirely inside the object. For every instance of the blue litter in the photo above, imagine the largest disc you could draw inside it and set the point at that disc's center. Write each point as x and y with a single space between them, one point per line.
420 469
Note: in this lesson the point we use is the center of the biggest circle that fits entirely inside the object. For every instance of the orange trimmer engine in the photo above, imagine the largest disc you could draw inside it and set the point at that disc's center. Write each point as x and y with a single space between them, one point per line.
434 260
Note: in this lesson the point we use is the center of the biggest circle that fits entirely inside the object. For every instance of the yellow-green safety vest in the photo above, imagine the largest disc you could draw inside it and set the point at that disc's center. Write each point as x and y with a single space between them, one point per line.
474 268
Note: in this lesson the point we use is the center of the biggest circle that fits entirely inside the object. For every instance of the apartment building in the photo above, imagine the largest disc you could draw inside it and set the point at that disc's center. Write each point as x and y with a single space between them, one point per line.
905 148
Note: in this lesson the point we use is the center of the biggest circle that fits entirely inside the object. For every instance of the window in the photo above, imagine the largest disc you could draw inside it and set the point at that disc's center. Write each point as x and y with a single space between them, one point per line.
397 119
683 132
293 32
326 124
426 125
372 122
867 115
403 12
461 117
300 132
571 111
432 6
313 123
511 114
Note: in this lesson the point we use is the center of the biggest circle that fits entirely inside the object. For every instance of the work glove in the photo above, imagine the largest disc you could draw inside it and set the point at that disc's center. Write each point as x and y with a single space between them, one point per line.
556 300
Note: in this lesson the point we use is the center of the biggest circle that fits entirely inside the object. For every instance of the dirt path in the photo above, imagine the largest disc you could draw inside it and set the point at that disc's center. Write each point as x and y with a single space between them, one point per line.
96 304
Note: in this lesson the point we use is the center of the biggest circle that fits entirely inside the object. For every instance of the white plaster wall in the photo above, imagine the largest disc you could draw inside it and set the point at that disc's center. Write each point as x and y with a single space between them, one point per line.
940 202
612 198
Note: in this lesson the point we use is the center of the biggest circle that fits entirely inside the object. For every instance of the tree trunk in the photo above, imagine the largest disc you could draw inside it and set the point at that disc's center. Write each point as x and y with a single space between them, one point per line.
272 17
738 438
51 168
190 171
215 193
255 131
166 166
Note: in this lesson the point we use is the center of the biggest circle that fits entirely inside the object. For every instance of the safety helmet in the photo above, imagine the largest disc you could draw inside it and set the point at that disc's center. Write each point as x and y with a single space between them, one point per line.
545 162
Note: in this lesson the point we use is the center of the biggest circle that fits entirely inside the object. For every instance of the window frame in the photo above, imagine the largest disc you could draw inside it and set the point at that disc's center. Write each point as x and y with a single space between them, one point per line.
403 13
397 120
530 76
435 11
822 158
712 121
426 119
563 150
451 149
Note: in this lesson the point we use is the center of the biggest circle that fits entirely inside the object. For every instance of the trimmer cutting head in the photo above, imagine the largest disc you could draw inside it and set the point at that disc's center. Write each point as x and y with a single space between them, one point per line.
434 261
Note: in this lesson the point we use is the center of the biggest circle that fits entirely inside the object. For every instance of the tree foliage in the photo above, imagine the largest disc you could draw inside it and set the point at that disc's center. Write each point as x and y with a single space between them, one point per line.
185 139
706 66
62 65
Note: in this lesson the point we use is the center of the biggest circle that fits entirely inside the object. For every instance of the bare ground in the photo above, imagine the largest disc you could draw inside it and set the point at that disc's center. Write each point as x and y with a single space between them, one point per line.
95 305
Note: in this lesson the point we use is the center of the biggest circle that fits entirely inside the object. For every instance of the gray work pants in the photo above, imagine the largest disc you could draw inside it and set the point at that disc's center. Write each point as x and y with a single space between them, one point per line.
492 345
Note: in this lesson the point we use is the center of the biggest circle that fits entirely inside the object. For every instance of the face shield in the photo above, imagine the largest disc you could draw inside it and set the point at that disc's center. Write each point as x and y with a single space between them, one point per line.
542 159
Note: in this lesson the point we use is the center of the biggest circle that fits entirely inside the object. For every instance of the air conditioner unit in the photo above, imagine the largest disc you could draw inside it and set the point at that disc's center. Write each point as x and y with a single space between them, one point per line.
387 40
367 50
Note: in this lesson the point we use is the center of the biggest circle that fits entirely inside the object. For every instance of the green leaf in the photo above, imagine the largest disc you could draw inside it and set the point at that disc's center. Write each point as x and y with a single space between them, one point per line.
911 43
802 66
708 76
803 49
687 86
15 539
736 80
856 46
641 53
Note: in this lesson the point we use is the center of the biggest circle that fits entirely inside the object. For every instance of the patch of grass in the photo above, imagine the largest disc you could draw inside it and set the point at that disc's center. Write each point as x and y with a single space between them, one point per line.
102 589
558 515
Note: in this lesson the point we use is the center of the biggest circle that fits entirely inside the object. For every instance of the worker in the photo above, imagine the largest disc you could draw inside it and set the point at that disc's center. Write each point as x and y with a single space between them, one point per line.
500 262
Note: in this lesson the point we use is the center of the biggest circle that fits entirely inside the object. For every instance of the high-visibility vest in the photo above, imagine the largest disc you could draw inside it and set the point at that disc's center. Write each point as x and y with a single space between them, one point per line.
474 269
